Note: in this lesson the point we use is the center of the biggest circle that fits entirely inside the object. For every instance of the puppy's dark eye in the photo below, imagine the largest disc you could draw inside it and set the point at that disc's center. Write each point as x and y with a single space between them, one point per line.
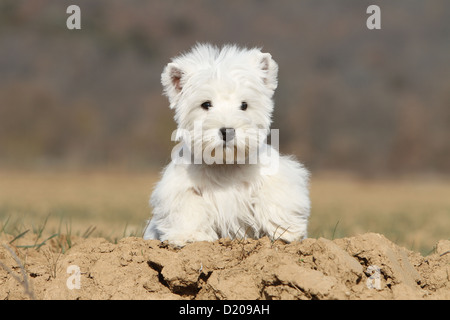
206 105
244 106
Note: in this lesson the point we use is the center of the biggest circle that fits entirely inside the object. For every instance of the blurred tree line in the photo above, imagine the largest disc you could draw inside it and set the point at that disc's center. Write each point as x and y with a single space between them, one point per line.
372 102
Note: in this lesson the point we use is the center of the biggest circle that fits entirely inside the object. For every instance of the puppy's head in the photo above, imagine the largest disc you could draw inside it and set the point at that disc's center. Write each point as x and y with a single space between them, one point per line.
224 92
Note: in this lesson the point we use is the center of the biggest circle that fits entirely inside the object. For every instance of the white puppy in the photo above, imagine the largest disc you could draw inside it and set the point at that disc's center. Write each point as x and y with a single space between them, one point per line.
224 180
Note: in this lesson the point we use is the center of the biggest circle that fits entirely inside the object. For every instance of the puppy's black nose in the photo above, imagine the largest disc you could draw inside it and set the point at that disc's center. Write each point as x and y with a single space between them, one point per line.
227 134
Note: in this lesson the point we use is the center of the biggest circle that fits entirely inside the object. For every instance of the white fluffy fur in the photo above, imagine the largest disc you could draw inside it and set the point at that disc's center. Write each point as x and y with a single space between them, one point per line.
197 202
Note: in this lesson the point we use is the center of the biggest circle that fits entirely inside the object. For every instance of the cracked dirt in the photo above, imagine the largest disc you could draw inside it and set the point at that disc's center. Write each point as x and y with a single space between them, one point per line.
367 266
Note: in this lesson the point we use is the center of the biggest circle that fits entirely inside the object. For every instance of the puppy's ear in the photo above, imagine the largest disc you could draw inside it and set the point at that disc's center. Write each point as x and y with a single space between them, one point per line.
171 79
270 70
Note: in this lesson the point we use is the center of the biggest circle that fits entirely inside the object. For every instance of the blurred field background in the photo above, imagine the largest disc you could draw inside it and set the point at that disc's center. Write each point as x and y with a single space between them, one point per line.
84 129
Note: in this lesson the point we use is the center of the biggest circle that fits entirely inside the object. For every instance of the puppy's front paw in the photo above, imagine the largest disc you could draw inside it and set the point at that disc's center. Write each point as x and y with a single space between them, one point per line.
179 243
182 240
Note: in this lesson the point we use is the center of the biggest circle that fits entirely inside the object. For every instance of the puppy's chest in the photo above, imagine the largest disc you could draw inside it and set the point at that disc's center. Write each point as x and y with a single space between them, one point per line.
230 201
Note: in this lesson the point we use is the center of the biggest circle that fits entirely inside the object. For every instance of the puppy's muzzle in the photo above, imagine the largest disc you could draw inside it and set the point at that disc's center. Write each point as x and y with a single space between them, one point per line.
227 134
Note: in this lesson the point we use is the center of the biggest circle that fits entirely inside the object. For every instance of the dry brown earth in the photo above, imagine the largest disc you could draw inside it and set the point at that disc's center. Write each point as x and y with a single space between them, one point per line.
366 266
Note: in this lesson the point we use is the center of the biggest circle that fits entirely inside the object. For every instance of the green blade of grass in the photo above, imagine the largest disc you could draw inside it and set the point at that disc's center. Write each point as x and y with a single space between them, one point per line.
41 229
334 230
19 236
125 230
89 231
5 224
37 246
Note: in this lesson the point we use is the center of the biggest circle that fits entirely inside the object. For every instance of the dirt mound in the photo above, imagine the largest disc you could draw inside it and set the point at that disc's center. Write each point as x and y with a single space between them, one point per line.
367 266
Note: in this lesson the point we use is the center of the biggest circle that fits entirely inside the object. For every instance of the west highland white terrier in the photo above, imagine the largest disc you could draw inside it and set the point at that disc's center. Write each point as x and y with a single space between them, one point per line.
224 179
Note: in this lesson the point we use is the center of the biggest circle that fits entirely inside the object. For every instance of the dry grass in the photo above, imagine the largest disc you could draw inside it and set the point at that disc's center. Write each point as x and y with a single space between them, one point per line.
23 280
412 213
107 204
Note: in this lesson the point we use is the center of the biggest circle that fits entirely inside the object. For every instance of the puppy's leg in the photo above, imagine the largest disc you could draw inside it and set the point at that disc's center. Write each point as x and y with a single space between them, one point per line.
286 230
280 221
180 220
283 202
